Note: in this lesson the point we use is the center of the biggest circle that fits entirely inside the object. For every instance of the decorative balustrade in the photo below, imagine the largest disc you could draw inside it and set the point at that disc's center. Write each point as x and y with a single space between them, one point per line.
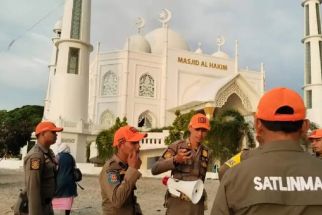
154 140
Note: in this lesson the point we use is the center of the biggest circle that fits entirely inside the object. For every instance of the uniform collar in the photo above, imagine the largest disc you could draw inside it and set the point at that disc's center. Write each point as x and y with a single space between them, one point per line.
42 148
287 145
188 144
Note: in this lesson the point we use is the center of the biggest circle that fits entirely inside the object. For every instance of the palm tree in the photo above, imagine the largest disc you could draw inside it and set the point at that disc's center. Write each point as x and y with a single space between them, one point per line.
227 133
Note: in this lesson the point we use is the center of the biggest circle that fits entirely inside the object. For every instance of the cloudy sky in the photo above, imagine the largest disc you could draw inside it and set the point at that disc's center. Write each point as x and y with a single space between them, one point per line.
267 31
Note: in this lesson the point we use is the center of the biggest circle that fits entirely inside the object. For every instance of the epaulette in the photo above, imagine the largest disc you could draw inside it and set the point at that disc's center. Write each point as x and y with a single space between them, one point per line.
112 165
234 160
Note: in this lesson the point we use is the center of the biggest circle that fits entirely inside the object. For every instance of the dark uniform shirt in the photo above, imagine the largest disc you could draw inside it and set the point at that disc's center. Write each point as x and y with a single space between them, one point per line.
195 169
235 160
117 182
280 179
40 167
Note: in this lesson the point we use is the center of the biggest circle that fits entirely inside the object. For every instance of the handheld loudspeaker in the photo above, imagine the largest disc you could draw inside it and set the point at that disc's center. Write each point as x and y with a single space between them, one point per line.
192 189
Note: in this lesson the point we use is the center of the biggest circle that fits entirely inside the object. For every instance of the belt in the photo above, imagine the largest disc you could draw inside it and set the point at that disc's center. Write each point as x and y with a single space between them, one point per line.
181 197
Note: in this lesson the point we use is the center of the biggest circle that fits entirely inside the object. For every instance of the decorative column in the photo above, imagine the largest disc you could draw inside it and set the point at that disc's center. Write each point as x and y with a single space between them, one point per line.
313 54
165 17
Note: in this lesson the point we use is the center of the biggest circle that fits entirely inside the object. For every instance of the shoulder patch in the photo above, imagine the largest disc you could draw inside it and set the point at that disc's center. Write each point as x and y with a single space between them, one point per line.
34 163
113 178
234 160
204 153
167 154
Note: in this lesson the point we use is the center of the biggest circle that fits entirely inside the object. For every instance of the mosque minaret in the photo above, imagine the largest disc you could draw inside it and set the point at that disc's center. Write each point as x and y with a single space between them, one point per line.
313 60
67 97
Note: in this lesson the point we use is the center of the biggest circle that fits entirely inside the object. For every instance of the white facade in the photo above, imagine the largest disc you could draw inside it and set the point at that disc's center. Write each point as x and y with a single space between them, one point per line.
313 60
147 81
156 74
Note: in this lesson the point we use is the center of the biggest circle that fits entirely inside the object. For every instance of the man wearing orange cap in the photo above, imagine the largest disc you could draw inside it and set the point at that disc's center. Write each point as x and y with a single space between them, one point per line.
316 140
280 178
39 167
120 173
188 161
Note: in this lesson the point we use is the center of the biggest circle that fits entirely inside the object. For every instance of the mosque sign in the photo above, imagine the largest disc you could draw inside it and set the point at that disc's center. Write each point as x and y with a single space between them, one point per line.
202 63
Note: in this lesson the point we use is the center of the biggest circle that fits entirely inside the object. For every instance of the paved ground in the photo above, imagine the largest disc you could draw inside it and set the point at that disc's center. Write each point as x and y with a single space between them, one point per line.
150 194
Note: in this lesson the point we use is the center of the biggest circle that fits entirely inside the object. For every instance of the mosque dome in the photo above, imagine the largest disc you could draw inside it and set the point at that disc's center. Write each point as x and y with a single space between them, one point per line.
137 43
220 54
57 26
199 50
157 38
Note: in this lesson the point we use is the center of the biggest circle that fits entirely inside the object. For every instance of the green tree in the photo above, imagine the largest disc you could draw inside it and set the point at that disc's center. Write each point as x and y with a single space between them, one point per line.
179 127
104 139
16 127
226 134
313 126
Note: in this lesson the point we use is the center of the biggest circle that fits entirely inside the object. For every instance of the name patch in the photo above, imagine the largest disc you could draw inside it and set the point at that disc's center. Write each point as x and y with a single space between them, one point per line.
113 178
289 183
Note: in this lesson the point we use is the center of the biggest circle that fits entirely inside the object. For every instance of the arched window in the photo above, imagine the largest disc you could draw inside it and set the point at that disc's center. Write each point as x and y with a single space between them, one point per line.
146 88
109 84
107 119
145 120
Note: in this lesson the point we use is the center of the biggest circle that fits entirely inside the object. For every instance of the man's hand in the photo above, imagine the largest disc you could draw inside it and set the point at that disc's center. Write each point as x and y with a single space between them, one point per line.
134 160
182 156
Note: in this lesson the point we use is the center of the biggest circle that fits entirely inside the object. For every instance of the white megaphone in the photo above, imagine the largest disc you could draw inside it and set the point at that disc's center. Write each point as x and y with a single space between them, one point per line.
192 189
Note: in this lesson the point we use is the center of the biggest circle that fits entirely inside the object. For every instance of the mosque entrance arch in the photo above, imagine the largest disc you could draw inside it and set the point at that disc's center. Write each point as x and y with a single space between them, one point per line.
233 97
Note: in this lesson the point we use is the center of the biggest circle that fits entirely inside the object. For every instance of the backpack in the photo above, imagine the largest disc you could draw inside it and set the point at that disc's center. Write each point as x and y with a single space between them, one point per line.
77 174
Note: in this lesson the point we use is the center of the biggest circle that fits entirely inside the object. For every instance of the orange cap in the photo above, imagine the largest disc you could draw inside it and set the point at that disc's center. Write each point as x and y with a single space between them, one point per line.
276 98
127 133
316 134
199 121
46 126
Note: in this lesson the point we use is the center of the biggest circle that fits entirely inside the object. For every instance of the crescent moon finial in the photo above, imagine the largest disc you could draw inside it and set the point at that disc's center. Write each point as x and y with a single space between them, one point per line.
140 23
165 16
220 42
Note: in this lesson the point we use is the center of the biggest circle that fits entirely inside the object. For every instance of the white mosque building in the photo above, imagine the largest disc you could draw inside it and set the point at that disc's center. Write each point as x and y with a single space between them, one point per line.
146 81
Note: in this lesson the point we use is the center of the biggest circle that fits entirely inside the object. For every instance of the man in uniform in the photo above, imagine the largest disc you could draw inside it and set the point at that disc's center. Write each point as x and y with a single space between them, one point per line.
281 178
120 173
316 140
188 161
40 169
